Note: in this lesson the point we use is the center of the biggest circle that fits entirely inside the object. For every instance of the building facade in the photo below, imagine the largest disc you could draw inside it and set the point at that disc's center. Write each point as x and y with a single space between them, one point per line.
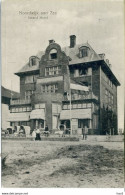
73 85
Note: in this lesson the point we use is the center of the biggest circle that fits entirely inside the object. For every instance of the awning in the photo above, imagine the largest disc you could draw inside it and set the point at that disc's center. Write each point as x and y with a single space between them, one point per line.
23 116
37 114
76 114
79 87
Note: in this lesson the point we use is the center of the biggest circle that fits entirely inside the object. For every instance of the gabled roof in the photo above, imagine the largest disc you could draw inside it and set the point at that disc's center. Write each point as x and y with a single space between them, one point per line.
27 68
73 54
8 93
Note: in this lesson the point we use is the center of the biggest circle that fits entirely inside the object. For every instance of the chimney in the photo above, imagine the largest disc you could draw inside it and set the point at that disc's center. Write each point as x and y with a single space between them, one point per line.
51 41
72 41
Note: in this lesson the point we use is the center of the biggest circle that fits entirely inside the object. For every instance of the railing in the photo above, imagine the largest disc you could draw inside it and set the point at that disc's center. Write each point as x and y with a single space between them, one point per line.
82 97
20 101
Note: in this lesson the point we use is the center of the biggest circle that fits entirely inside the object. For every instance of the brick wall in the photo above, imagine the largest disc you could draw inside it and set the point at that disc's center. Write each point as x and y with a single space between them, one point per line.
112 90
25 86
62 60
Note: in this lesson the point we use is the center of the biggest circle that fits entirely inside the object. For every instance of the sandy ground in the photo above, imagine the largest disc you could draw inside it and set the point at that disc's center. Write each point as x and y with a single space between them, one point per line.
54 164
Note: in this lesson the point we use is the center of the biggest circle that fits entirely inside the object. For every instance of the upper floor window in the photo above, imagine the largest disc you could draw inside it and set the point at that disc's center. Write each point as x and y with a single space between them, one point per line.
39 106
107 80
106 95
21 109
83 52
53 54
55 70
109 98
33 61
53 88
31 78
28 94
83 71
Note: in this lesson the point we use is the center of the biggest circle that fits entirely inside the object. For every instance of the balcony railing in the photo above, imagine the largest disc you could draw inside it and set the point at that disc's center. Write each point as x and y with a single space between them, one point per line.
82 97
20 101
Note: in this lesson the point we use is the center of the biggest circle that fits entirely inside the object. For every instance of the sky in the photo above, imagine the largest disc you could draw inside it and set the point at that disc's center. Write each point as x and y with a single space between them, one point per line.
101 23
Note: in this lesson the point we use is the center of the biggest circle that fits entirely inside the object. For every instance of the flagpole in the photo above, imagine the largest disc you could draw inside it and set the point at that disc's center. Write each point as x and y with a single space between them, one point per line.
70 106
70 112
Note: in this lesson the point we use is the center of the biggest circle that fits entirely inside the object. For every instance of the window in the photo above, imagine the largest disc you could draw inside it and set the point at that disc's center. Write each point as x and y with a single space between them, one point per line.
83 71
107 80
109 98
28 94
39 106
79 123
49 88
20 109
55 70
83 52
17 109
84 105
106 95
33 61
53 54
74 105
65 107
29 79
75 96
28 108
112 99
13 109
36 106
35 78
89 105
79 105
24 109
80 96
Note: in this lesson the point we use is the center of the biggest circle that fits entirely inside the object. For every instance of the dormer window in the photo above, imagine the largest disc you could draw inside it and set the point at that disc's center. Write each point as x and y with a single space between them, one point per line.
83 52
33 61
53 54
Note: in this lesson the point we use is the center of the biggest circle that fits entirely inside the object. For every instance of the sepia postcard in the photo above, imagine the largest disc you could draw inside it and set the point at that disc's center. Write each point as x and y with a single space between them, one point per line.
62 96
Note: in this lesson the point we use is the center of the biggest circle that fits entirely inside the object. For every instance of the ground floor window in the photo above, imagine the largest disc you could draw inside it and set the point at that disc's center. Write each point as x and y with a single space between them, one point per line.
38 123
66 123
83 122
19 123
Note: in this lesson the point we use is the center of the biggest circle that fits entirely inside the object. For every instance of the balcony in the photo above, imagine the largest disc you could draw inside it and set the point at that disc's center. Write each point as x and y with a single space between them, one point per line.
82 97
20 102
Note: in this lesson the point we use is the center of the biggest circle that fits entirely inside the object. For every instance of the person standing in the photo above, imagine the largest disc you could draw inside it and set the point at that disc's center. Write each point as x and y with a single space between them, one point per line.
83 132
86 131
34 135
38 134
46 130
